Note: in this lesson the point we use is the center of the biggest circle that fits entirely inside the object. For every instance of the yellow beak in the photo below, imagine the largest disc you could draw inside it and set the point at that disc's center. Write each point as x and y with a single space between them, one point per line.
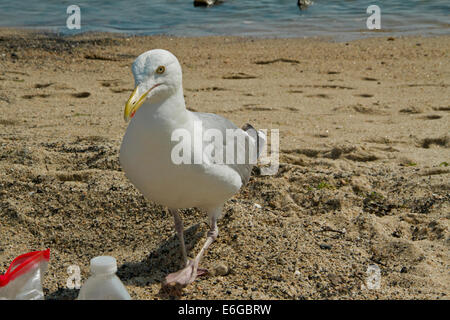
135 102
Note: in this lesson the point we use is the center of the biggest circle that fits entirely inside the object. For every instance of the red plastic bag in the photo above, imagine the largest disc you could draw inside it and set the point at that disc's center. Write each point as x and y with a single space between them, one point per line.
23 279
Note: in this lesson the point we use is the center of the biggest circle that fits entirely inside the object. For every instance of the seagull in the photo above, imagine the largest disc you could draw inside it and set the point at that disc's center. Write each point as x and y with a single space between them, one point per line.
206 3
156 110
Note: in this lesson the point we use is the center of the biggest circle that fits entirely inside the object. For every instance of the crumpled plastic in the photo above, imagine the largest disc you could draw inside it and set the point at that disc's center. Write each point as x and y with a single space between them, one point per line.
23 279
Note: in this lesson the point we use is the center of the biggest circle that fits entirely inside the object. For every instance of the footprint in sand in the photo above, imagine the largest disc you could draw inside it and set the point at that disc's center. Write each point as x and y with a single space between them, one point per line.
111 83
441 141
5 122
431 117
81 94
253 107
369 79
42 85
207 89
120 90
411 110
320 95
441 108
278 60
295 91
31 96
366 110
322 86
239 75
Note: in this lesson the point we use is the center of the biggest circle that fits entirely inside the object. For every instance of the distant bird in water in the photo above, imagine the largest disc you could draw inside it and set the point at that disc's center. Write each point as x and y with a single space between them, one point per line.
156 109
206 3
304 4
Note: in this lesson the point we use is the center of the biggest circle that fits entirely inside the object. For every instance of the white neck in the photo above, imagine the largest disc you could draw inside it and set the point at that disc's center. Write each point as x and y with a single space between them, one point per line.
173 109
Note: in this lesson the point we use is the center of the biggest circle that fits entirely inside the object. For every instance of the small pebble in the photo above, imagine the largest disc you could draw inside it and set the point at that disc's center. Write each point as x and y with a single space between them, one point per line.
325 246
221 269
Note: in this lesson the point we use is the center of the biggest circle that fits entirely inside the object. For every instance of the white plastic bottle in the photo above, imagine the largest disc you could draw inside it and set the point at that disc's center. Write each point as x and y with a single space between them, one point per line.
103 284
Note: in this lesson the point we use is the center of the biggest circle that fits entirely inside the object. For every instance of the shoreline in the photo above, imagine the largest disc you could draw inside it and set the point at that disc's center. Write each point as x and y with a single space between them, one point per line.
363 178
119 34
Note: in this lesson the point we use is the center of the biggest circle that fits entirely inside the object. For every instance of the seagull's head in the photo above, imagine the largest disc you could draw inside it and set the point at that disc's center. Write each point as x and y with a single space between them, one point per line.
157 76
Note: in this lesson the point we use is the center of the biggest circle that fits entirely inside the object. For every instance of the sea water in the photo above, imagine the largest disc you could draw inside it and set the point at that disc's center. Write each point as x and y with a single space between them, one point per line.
338 19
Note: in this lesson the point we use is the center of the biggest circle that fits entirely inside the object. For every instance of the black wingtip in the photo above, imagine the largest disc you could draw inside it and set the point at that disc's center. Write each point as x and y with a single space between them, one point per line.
255 134
247 127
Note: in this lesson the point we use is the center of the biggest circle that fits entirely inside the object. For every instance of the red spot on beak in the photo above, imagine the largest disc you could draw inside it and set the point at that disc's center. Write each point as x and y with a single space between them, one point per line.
132 114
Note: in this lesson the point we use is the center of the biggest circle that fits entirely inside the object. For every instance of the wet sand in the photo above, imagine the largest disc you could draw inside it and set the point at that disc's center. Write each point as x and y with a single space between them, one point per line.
363 177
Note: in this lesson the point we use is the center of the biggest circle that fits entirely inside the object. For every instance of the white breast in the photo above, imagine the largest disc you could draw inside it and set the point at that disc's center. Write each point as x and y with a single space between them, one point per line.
145 156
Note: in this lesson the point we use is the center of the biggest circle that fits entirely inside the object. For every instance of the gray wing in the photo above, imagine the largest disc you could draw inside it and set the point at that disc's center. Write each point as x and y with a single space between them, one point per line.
214 121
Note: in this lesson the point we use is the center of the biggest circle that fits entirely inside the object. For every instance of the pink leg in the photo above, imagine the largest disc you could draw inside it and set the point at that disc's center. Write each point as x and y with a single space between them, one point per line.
179 228
191 271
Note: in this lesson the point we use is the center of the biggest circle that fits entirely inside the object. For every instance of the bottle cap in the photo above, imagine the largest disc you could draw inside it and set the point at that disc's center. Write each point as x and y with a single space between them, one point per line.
103 265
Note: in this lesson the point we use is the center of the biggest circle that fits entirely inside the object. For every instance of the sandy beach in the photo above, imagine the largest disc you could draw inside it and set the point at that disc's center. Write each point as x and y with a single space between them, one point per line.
363 178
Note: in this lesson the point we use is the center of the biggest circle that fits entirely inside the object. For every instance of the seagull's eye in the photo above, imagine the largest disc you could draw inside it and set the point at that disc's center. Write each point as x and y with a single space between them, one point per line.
160 70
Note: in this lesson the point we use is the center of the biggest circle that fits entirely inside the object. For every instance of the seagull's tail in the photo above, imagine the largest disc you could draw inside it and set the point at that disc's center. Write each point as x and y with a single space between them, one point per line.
258 136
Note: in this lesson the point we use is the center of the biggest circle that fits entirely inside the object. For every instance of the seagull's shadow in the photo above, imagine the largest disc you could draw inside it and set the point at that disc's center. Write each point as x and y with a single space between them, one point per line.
160 262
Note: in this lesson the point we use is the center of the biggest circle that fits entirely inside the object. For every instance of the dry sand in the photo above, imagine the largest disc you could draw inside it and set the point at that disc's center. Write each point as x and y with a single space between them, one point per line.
363 179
